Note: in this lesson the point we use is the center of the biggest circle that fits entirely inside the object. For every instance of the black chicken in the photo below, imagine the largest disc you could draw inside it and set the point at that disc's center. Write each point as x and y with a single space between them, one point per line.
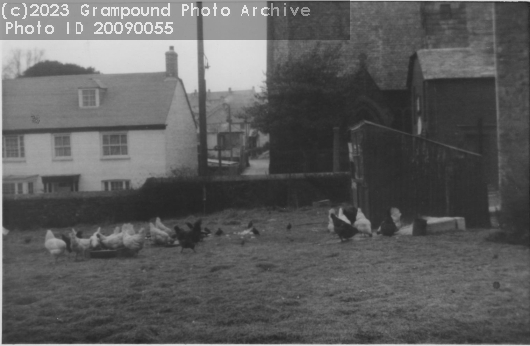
219 232
255 231
342 228
350 212
196 232
388 227
188 239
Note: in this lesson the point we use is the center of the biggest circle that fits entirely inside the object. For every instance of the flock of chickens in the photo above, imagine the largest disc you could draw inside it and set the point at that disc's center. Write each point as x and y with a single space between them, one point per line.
348 222
351 221
125 239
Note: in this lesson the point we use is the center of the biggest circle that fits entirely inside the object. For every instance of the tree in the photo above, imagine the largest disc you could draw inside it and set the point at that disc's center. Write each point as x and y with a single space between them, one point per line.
19 61
56 68
302 102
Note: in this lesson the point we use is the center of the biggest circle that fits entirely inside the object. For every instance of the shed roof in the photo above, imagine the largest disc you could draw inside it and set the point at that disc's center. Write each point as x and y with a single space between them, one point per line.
455 63
51 103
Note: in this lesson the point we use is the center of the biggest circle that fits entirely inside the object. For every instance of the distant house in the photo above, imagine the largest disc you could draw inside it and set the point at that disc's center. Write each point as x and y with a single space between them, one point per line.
453 101
225 128
96 132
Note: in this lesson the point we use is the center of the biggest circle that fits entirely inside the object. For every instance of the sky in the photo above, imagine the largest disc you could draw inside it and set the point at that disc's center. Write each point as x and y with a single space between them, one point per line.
235 64
238 65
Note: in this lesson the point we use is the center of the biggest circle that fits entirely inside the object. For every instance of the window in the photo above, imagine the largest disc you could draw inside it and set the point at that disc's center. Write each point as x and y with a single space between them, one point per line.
115 144
17 188
88 98
62 147
114 185
9 189
13 147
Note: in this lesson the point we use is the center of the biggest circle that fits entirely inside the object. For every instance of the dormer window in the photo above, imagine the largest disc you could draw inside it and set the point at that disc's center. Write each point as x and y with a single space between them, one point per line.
89 98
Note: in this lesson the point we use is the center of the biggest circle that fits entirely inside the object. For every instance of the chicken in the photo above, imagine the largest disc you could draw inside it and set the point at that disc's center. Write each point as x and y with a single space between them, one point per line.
388 227
361 223
219 232
364 226
396 216
56 247
162 227
289 226
350 212
113 241
5 232
95 242
255 231
79 246
195 230
342 228
128 228
159 237
134 242
188 239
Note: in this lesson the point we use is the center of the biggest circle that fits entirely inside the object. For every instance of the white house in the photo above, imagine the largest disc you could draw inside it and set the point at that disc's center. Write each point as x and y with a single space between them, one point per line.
96 132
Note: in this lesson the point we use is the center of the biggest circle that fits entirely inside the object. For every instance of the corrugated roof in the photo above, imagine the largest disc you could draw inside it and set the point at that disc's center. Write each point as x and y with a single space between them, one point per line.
42 103
455 63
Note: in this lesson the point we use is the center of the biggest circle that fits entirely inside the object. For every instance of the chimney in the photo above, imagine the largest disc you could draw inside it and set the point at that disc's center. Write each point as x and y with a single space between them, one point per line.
172 63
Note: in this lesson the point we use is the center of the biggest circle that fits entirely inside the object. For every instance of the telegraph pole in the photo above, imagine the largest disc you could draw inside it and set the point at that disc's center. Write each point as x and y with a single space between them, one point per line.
203 151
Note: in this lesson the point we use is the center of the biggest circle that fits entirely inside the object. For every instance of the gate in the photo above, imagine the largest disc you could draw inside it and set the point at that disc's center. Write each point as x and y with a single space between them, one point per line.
390 168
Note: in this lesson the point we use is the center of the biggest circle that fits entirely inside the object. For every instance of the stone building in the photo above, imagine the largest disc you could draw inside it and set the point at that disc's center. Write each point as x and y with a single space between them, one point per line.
383 38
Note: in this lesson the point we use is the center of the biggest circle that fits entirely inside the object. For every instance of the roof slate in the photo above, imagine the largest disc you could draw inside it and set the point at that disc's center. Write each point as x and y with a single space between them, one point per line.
42 103
456 63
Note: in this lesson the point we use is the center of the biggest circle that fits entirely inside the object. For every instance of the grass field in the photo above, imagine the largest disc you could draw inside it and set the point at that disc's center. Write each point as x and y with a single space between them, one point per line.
298 286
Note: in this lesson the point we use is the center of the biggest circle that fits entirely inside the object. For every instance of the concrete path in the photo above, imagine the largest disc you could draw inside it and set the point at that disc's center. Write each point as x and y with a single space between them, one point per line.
257 167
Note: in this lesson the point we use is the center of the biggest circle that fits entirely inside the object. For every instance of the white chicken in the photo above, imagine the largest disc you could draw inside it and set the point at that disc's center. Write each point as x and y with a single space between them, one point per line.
159 237
396 216
362 223
162 227
79 246
5 232
94 240
134 243
113 241
128 228
56 247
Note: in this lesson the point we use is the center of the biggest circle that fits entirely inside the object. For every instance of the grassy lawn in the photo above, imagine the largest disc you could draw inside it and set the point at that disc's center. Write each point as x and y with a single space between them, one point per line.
298 286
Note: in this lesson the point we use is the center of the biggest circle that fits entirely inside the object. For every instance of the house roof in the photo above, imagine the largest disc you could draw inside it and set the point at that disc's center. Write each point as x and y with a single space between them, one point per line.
216 112
51 103
455 63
